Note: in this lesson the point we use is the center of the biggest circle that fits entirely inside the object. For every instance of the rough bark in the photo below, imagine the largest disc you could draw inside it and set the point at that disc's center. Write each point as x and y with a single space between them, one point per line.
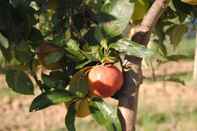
128 96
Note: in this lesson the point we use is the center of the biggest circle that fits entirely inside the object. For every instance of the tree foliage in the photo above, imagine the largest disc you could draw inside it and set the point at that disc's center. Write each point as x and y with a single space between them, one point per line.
84 33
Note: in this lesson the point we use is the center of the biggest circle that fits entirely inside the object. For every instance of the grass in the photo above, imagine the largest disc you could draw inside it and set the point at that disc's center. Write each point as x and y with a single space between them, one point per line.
150 120
153 120
182 78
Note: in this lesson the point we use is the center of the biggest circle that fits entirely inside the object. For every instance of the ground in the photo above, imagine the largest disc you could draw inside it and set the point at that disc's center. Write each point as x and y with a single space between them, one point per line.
163 106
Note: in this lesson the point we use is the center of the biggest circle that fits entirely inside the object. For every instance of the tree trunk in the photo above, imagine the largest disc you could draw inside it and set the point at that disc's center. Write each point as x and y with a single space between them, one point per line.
128 96
195 62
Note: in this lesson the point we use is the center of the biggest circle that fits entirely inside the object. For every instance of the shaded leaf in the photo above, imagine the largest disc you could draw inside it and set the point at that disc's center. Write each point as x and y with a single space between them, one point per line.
19 81
70 118
53 57
105 115
7 53
23 53
176 33
35 37
182 8
55 80
50 98
79 83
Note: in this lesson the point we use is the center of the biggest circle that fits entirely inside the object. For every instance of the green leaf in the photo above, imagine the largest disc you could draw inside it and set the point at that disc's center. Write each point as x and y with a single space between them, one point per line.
7 53
35 37
59 40
53 57
19 81
72 44
98 35
121 12
131 48
70 118
104 44
79 84
74 50
91 52
158 49
55 80
23 53
3 41
181 8
176 33
105 115
83 64
50 98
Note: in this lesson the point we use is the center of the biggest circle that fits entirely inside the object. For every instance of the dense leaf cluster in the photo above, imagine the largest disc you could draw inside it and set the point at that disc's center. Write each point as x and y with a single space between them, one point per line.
87 32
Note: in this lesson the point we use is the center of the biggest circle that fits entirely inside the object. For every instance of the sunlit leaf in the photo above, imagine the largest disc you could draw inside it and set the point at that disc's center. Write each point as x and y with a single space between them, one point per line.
74 51
131 48
3 41
120 12
105 115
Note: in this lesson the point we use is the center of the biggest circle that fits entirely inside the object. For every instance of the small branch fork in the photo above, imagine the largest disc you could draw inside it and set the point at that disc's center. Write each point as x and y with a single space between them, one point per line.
128 96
